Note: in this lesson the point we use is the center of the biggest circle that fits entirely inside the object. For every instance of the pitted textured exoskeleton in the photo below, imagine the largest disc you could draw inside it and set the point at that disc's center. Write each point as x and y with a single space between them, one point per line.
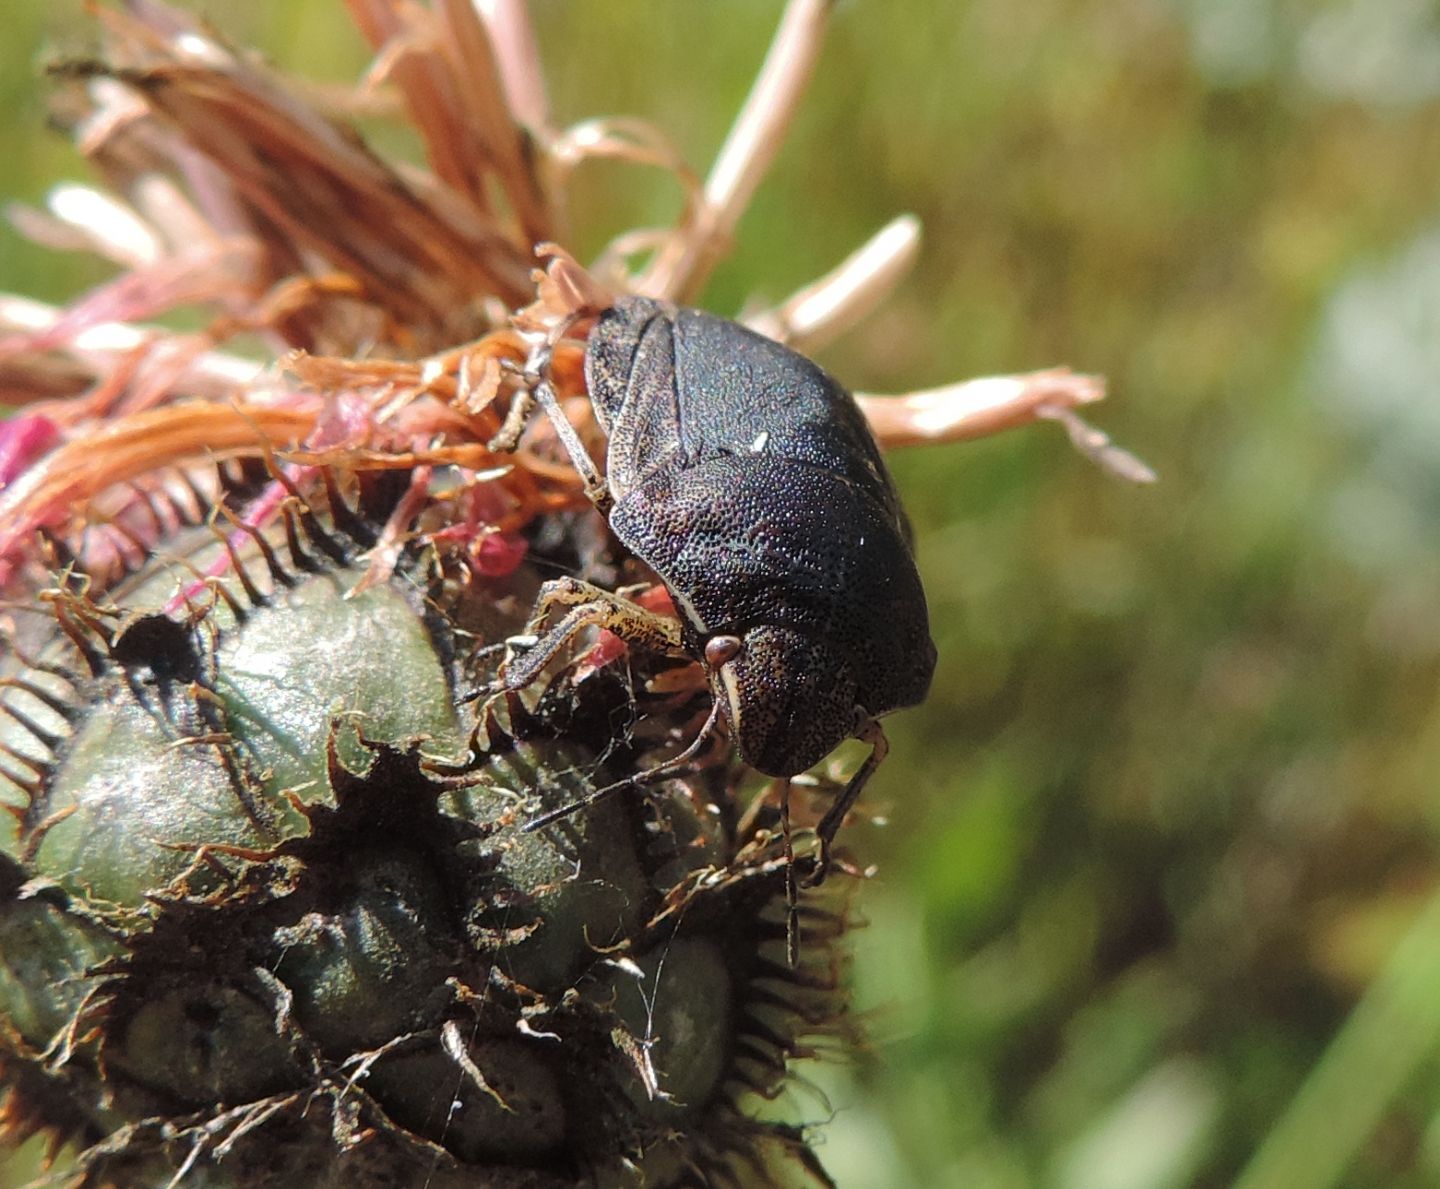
747 479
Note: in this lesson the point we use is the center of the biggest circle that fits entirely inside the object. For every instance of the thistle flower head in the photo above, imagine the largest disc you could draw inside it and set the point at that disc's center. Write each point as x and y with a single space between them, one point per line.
267 914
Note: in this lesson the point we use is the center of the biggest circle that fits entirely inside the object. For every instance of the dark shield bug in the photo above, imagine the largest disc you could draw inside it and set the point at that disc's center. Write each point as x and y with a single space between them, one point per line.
748 480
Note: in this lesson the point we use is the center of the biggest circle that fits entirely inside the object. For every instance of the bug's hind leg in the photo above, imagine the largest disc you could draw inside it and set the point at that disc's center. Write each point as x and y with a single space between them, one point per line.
868 732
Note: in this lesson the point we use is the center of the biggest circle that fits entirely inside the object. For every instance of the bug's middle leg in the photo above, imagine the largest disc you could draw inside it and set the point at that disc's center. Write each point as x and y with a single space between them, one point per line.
589 606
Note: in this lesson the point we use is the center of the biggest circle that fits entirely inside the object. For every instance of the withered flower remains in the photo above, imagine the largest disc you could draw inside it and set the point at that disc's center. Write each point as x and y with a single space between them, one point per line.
268 915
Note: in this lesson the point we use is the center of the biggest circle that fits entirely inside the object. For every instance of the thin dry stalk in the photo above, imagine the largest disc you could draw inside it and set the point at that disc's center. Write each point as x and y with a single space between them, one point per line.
681 270
826 308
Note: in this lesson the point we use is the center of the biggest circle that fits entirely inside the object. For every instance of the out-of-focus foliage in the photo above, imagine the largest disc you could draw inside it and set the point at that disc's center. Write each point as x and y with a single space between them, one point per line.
1167 827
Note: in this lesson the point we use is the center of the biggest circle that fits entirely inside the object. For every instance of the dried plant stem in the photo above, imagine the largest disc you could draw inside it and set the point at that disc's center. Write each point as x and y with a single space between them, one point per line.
450 74
976 408
980 407
517 54
100 348
683 267
828 307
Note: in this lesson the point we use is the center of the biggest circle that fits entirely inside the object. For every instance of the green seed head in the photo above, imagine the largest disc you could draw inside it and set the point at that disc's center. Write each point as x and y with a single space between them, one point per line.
270 907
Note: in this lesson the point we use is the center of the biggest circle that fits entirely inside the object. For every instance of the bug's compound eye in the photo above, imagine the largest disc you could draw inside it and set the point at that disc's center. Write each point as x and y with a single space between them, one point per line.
720 650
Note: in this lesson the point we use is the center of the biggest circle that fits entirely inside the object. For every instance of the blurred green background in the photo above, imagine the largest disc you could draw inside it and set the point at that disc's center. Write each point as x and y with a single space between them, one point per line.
1157 901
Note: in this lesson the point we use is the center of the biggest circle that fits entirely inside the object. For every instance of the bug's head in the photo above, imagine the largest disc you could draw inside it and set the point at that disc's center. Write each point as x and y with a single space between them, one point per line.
787 697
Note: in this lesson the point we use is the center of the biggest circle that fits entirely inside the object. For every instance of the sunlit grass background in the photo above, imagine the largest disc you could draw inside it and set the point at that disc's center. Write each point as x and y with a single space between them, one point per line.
1155 900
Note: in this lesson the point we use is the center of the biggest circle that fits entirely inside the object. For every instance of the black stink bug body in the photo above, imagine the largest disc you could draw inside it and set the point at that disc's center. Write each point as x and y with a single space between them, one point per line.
748 480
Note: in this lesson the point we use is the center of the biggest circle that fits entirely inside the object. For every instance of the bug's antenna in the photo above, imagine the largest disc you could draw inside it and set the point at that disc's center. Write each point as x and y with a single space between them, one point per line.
661 769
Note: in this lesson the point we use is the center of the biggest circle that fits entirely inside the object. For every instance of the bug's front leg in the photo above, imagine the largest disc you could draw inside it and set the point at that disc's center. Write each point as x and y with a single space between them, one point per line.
597 490
589 606
537 389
